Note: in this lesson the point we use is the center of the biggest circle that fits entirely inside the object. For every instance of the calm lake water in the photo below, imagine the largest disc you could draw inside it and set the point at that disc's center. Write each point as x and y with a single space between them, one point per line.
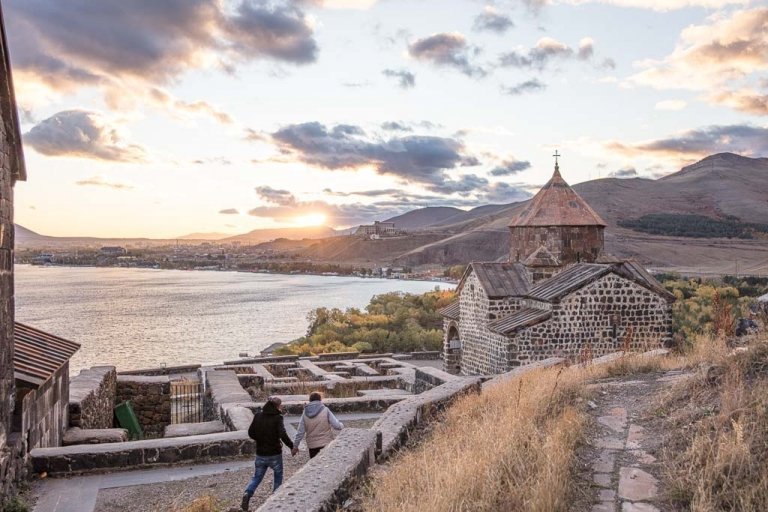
139 318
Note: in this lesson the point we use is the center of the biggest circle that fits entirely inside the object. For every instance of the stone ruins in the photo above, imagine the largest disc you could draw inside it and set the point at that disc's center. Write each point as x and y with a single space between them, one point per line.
558 295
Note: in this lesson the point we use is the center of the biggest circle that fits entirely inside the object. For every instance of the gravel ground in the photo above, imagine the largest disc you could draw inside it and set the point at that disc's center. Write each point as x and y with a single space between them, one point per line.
227 488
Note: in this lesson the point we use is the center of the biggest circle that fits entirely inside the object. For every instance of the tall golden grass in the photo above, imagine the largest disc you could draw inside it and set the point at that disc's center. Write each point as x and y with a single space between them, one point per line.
510 448
719 458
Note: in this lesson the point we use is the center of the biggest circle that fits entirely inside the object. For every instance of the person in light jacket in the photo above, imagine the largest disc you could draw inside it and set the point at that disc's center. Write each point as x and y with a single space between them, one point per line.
318 425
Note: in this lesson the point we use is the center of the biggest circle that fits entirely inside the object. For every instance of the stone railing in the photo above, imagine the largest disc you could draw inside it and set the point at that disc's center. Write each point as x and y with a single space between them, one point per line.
138 454
150 398
225 400
92 396
162 370
325 481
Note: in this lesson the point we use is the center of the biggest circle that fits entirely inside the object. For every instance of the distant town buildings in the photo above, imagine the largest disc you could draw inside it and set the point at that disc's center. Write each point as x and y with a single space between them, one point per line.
113 251
378 230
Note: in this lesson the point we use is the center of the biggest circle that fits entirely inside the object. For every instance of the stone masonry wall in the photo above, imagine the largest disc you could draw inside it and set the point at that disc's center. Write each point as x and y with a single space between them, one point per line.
150 398
92 396
483 351
6 284
595 320
570 244
44 411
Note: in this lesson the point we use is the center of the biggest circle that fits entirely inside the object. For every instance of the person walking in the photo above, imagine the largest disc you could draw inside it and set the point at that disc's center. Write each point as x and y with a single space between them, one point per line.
268 430
318 424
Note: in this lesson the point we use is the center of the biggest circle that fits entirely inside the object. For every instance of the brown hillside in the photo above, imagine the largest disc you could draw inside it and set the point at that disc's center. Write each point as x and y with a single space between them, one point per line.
719 185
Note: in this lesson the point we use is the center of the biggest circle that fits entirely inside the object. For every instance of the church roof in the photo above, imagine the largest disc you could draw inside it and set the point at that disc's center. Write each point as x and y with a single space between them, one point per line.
8 114
578 275
524 318
499 279
635 271
451 310
568 280
541 257
557 204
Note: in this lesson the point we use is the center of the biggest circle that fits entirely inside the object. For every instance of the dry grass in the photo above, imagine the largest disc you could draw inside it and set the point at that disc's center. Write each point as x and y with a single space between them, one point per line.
202 504
717 458
510 448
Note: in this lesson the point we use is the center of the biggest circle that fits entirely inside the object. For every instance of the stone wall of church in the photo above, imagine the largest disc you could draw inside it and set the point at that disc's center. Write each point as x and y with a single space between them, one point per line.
570 244
483 351
596 320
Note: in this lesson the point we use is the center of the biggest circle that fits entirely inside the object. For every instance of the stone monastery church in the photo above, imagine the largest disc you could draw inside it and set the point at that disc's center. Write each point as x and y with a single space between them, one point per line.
559 294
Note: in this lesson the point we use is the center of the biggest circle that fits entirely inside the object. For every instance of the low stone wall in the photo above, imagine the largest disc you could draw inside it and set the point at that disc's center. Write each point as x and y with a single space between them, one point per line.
150 398
224 400
92 396
539 365
44 410
138 454
427 378
324 482
162 370
345 405
396 424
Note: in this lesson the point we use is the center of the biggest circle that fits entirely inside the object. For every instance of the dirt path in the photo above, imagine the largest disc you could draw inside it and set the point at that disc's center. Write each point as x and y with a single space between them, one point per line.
226 487
621 456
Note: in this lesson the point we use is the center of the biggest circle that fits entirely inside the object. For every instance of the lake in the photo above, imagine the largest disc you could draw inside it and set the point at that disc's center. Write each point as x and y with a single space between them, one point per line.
140 318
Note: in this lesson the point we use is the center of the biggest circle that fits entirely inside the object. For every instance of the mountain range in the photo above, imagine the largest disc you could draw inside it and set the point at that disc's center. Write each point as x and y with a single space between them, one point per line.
720 186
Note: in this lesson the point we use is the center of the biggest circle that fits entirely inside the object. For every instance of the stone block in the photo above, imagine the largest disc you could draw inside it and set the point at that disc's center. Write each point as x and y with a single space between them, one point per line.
76 435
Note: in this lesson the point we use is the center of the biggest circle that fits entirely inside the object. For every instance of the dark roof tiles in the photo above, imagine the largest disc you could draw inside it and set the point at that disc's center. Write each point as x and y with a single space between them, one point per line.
501 279
451 311
38 355
524 318
567 281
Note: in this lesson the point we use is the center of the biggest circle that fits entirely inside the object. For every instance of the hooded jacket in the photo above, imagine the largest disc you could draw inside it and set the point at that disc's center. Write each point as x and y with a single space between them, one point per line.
268 429
318 423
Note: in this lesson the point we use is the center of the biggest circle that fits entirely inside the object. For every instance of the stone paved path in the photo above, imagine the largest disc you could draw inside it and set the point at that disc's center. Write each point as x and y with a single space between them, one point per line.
625 472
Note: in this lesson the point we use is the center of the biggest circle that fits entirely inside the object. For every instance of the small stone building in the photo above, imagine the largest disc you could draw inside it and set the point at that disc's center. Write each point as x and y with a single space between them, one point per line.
559 294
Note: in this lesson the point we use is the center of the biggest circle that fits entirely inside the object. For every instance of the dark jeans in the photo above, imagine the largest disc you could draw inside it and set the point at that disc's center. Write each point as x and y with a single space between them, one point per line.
262 463
314 451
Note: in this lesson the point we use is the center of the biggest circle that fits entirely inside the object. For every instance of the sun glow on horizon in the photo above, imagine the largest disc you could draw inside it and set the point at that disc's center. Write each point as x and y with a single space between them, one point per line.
312 219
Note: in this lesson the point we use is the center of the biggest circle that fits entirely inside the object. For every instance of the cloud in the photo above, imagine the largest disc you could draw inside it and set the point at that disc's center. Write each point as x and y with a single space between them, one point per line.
229 211
743 100
693 144
165 99
546 50
125 50
491 20
395 126
276 196
406 79
627 172
447 50
98 181
717 58
532 85
586 48
500 193
79 133
413 158
510 166
657 5
670 105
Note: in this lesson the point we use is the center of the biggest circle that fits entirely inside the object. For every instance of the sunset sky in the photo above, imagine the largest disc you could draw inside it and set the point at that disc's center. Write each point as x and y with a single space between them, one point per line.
162 118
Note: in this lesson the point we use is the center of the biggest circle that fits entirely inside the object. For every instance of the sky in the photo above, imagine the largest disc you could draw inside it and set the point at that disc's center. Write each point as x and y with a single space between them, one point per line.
158 119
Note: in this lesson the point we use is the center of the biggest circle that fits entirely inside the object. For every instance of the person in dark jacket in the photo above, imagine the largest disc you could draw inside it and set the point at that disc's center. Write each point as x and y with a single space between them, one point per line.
268 430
